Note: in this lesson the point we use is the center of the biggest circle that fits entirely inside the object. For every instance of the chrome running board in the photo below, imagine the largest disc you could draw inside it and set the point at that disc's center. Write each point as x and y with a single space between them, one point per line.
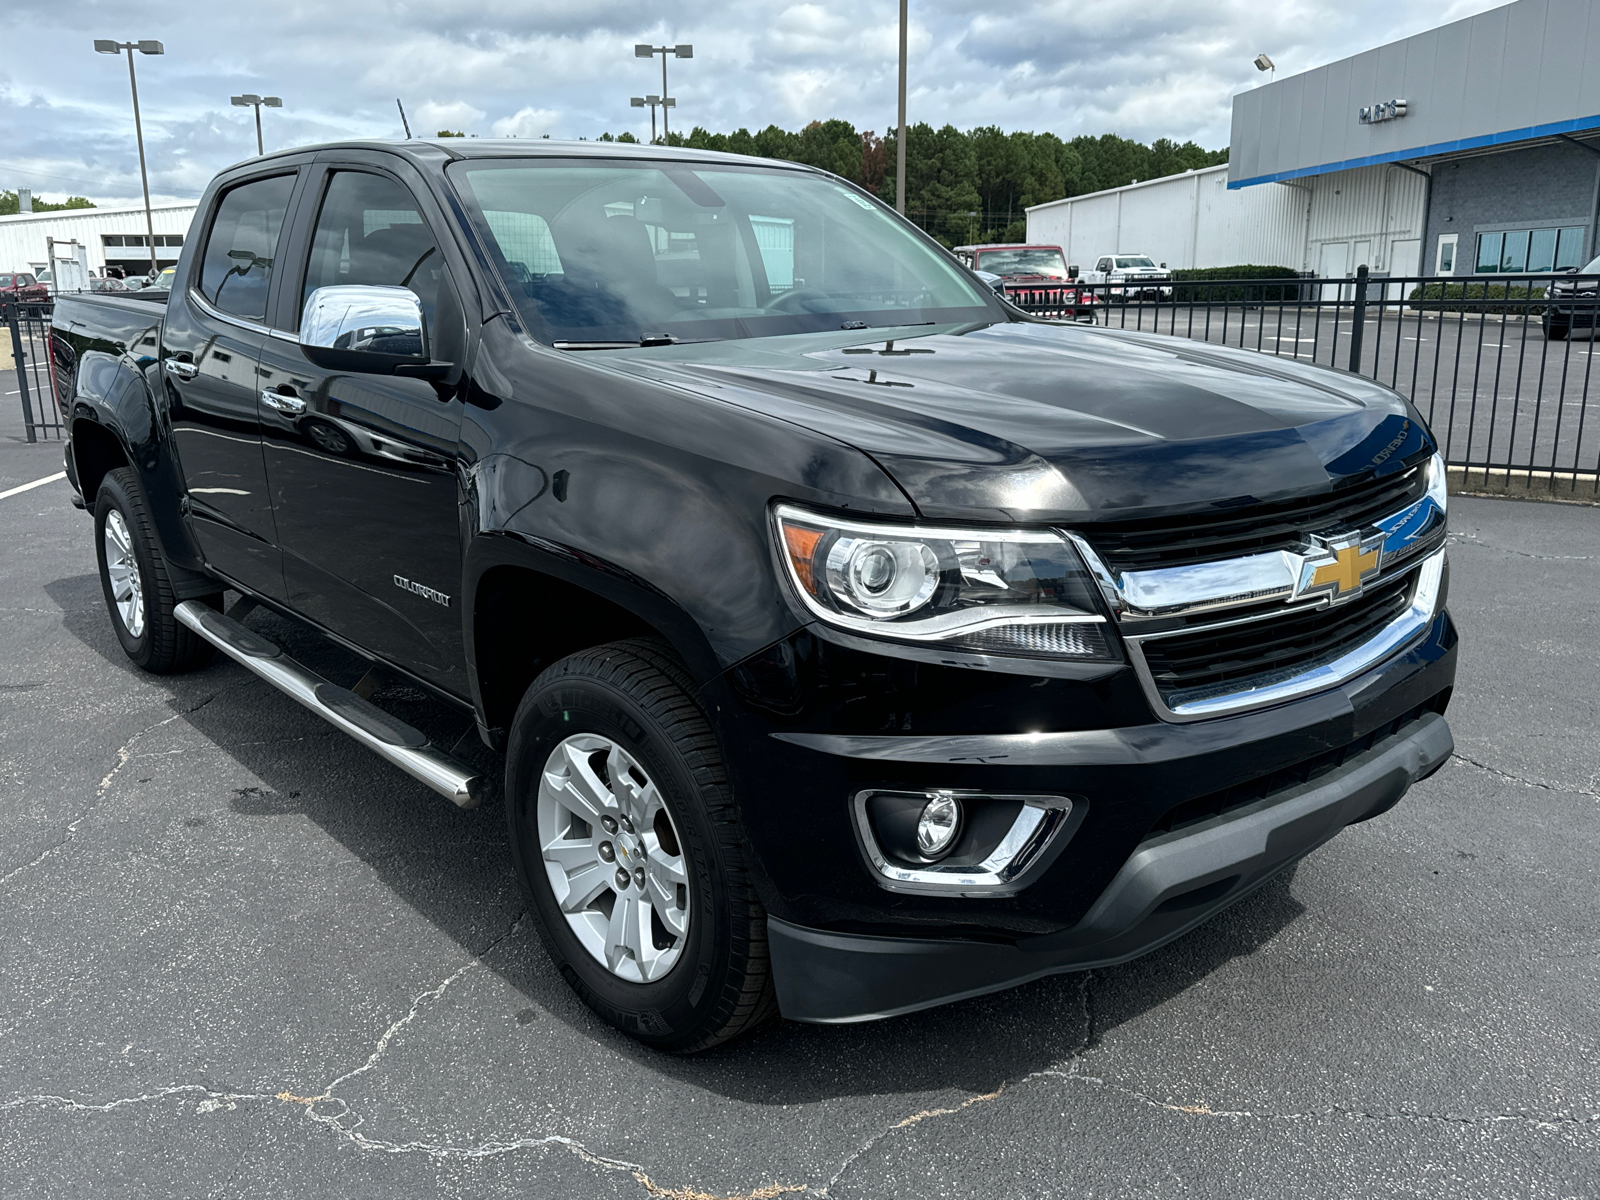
383 734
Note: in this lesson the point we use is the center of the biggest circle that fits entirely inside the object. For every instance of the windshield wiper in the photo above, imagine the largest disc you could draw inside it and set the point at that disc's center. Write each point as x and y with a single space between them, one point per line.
649 339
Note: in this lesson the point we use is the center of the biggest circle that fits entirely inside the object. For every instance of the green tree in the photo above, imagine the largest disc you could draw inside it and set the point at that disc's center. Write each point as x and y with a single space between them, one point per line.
10 204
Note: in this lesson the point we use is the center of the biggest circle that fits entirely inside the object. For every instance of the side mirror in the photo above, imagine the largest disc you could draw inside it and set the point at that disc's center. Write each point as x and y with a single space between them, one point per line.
1072 271
1163 266
366 328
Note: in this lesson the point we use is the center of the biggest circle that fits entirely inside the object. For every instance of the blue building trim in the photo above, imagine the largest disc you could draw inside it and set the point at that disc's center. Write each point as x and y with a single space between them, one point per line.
1576 125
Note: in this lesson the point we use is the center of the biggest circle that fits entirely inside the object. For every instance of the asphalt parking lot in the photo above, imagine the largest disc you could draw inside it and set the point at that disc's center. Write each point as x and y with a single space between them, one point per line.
241 957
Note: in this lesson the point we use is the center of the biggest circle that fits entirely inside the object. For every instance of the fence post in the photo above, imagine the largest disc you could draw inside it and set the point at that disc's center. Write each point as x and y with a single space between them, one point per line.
20 356
1358 318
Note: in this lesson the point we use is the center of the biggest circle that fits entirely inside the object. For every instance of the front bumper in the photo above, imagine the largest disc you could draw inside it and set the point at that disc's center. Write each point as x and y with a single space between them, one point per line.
1171 883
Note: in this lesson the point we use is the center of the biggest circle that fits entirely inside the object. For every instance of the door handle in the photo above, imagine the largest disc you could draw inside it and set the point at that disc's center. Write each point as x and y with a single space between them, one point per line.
179 369
289 406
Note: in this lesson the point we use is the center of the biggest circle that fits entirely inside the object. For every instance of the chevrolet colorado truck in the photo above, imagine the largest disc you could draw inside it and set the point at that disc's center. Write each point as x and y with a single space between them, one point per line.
853 642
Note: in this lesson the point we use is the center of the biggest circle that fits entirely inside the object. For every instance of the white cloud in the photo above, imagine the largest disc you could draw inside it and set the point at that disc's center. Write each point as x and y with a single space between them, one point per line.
1157 68
527 123
457 115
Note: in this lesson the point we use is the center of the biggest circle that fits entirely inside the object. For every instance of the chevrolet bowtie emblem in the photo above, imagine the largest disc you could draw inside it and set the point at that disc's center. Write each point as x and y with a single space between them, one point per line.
1342 568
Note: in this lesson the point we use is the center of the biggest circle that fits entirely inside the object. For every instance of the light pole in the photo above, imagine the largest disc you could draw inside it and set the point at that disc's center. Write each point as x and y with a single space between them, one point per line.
106 46
900 135
1263 63
643 50
247 101
653 102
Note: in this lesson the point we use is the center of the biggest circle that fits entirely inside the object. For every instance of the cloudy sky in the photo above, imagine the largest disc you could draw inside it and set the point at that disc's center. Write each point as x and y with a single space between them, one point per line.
1144 69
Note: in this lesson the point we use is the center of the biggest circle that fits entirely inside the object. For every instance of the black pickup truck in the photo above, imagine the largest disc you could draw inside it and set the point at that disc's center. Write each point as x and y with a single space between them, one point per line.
854 642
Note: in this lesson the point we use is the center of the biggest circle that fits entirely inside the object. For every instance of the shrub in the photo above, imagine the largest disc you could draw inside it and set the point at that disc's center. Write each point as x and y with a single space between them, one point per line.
1477 298
1232 292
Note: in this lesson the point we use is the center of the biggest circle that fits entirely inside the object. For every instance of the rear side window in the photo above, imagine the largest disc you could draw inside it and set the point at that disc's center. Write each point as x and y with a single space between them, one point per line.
236 270
5 280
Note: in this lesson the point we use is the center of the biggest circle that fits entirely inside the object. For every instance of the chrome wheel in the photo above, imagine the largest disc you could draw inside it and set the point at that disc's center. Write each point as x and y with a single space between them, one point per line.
122 568
613 857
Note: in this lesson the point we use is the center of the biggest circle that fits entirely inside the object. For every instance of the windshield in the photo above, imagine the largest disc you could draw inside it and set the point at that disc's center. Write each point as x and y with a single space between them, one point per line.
1045 261
6 280
619 252
1133 260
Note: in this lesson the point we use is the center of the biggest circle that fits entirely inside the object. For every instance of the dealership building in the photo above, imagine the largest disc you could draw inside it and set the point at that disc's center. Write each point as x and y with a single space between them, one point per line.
1470 149
111 237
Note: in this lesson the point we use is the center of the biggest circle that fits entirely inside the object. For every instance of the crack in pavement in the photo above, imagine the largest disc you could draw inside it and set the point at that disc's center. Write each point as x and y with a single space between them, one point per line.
1533 783
125 755
1472 539
1204 1109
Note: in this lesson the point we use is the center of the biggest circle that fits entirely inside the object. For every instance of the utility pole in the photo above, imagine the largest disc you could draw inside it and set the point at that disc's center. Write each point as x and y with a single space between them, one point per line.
644 50
900 134
106 46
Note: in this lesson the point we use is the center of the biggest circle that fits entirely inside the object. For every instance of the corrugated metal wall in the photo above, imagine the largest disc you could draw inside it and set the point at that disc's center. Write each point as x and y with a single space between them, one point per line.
1188 220
22 237
1195 220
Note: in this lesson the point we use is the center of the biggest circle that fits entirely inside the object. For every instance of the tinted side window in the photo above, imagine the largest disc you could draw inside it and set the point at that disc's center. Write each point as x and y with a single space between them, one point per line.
370 231
237 267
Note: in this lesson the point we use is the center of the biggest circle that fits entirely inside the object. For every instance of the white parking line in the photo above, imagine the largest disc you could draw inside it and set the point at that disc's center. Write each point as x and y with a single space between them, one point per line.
28 487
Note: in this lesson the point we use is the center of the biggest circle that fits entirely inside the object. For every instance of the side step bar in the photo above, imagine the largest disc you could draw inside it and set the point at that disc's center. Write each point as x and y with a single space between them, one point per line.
385 735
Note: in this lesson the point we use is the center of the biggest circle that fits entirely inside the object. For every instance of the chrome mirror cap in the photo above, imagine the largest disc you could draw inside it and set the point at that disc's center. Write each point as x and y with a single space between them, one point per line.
364 320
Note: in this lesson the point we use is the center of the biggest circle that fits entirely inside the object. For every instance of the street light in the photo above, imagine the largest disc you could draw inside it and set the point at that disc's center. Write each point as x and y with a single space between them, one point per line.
1263 63
900 130
644 50
106 46
246 101
653 102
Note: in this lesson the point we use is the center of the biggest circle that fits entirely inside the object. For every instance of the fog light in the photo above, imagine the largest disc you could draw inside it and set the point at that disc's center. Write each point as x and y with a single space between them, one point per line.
938 825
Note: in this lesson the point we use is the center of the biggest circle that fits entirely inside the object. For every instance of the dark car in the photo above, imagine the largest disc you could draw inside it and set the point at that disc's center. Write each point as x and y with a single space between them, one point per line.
851 641
1036 278
24 287
1573 303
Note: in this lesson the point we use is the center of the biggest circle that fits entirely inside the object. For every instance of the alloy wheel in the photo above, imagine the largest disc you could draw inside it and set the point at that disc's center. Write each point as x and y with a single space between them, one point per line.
122 568
613 857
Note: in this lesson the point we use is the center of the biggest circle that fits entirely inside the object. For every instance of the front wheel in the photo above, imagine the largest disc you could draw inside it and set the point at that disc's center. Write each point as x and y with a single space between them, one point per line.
624 836
1555 329
133 575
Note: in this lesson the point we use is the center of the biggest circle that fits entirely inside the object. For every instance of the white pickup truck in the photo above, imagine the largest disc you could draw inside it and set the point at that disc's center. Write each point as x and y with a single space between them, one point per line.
1130 276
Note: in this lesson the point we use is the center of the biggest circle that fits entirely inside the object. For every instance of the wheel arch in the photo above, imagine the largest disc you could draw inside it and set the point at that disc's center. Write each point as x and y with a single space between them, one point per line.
532 605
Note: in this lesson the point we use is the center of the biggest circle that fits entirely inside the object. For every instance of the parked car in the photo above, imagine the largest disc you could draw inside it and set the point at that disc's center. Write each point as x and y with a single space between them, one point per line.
1124 277
163 281
852 641
1037 278
108 285
23 286
1574 302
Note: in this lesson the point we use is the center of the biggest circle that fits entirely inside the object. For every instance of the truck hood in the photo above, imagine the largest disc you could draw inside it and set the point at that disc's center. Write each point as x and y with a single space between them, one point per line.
1032 422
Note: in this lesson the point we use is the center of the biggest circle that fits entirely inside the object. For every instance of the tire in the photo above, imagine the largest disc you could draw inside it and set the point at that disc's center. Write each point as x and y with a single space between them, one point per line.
625 710
133 576
1555 331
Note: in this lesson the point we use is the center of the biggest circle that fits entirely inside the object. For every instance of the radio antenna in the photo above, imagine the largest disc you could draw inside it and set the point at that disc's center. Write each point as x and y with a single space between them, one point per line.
404 124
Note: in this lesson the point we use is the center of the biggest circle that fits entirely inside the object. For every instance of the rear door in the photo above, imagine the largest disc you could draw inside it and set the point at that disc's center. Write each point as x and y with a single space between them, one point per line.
363 467
211 341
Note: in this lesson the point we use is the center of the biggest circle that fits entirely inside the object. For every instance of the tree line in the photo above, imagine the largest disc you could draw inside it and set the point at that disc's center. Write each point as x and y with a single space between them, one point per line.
963 185
11 205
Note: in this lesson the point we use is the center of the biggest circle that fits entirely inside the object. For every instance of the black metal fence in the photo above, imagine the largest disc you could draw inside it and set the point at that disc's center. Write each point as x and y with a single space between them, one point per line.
27 328
1502 370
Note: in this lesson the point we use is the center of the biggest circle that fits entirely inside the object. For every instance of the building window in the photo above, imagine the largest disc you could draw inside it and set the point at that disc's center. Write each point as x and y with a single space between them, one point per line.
1514 251
111 239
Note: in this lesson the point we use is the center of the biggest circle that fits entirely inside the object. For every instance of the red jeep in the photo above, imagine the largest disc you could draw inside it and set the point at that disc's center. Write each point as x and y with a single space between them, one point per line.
1036 278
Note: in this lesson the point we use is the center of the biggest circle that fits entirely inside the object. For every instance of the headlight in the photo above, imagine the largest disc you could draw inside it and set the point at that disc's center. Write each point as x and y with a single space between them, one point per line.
1012 591
1438 482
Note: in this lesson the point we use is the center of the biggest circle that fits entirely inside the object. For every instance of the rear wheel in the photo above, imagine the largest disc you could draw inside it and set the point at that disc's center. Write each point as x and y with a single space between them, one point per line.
624 836
133 575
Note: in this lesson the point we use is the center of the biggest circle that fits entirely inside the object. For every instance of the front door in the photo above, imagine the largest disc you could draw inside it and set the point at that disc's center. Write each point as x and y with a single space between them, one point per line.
211 341
362 466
